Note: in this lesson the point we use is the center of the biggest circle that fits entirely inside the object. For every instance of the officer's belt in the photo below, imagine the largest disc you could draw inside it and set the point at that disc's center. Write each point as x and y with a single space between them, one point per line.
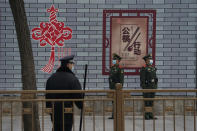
150 81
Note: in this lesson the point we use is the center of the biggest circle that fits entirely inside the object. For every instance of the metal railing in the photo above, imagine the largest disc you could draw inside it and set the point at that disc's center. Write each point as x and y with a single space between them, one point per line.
12 109
173 112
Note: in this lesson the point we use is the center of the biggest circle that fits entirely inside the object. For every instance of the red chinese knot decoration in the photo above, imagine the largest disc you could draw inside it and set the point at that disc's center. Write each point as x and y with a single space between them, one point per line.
53 33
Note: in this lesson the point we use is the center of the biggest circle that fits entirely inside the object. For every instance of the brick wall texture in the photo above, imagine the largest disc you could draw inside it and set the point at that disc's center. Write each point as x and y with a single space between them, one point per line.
176 41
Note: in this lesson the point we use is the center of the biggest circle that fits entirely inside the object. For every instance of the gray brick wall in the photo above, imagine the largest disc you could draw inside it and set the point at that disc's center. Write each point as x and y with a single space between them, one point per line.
176 40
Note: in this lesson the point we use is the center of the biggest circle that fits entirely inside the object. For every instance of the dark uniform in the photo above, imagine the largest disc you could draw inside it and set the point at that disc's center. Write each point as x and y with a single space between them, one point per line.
63 79
148 80
116 75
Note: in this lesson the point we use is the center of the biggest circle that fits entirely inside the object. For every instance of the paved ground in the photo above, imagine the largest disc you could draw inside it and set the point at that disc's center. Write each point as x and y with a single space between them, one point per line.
109 123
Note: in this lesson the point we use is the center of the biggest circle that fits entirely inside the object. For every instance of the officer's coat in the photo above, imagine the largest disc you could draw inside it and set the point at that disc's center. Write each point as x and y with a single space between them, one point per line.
116 75
63 81
148 78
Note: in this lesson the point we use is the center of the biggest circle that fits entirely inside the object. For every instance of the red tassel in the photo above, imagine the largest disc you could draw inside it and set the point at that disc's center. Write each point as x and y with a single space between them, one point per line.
59 56
49 67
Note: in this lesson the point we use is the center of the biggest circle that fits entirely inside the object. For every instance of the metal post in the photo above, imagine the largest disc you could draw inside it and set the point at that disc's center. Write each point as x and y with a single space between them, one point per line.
119 107
196 83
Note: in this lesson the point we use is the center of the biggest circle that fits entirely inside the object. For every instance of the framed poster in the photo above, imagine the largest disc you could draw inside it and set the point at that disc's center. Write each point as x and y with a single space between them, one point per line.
131 34
129 38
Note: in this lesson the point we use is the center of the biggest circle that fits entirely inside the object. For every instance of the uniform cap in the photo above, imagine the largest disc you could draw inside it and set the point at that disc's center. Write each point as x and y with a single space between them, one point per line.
116 57
67 59
149 56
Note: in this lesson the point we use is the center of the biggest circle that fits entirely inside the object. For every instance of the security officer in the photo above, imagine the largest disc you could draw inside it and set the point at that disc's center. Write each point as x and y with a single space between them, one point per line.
63 79
116 74
148 80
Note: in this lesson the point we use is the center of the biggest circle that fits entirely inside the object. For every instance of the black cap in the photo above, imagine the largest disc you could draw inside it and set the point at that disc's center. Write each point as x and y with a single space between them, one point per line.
149 56
116 57
67 59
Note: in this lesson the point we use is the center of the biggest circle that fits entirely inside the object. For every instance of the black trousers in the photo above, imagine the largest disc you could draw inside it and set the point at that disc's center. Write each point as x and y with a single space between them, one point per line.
148 95
148 103
112 115
58 125
62 121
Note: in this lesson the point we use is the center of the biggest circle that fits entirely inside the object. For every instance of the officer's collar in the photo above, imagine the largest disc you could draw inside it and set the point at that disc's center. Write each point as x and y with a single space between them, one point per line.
149 65
64 69
116 65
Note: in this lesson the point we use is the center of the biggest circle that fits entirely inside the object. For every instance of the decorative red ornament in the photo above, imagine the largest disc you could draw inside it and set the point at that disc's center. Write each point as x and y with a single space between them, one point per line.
53 33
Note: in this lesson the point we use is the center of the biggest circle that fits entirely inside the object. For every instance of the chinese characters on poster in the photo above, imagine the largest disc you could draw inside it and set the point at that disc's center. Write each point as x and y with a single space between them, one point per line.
129 36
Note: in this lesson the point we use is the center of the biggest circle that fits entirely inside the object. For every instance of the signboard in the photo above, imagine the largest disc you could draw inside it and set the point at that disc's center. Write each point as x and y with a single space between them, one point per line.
129 39
131 34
